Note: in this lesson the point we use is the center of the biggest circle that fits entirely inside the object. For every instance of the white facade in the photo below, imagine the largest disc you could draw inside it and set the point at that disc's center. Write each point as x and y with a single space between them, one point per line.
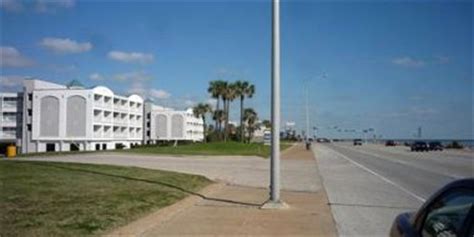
74 118
10 118
47 116
165 124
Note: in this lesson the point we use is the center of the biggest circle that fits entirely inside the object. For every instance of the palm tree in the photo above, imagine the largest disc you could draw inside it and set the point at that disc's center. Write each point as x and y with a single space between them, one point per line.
228 95
243 89
200 110
219 117
216 89
250 117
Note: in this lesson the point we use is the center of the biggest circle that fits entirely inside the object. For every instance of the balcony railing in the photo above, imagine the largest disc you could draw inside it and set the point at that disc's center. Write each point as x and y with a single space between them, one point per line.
8 134
8 119
97 118
120 135
107 135
9 105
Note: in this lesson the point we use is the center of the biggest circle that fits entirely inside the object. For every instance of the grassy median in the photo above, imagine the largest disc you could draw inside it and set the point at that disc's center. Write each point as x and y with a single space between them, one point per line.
64 199
212 148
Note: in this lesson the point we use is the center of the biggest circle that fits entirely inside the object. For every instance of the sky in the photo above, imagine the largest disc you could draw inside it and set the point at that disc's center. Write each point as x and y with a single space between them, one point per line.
392 66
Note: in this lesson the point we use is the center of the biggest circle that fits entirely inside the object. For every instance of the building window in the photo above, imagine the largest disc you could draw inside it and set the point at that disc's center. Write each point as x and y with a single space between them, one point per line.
148 115
148 133
104 146
28 127
148 124
97 147
30 112
30 96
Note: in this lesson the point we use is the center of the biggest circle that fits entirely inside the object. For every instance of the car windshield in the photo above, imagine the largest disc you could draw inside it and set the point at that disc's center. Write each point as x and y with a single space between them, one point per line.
447 216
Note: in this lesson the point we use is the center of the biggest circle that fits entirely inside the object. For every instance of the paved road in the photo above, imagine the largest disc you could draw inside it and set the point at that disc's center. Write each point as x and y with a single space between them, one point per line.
369 185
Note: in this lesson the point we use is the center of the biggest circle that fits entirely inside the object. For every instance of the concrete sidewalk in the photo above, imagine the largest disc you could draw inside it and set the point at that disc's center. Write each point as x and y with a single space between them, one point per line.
298 171
230 210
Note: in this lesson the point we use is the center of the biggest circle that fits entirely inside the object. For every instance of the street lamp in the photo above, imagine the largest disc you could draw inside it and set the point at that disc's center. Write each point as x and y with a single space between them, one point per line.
275 202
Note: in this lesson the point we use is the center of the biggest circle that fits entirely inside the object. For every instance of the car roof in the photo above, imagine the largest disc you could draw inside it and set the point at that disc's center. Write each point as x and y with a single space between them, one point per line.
461 183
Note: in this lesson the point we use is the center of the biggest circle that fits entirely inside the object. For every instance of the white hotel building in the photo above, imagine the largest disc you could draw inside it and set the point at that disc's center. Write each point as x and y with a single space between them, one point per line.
67 118
166 124
48 117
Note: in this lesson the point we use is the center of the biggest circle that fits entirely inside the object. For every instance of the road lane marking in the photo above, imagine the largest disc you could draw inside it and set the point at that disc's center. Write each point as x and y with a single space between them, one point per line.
452 176
379 176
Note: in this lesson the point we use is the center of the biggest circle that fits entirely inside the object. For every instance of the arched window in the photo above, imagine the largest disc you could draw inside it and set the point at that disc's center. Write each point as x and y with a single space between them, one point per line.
177 126
76 116
161 126
49 116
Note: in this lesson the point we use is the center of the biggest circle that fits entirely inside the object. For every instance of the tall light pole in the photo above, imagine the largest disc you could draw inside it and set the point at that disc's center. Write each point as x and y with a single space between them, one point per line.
307 112
274 202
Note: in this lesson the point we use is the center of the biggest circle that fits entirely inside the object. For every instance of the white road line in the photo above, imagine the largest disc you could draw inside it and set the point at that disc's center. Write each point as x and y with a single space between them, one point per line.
453 176
379 176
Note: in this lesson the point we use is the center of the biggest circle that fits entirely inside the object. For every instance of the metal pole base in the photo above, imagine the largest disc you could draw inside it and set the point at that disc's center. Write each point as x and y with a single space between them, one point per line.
272 205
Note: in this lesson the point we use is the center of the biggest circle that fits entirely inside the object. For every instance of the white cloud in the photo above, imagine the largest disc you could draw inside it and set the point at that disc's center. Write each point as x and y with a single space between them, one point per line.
140 88
11 81
64 46
159 94
408 62
11 57
139 84
11 5
96 77
212 102
132 76
132 57
189 103
49 6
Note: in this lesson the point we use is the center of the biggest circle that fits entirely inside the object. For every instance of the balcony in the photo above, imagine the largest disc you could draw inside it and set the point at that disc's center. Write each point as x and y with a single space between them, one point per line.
120 135
97 131
8 134
9 106
8 121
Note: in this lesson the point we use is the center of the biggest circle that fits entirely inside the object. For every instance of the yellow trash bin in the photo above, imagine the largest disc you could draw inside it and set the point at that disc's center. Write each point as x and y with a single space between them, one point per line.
11 151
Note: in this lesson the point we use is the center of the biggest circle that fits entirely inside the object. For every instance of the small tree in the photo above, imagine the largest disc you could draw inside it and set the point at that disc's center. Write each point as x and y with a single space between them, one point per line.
250 117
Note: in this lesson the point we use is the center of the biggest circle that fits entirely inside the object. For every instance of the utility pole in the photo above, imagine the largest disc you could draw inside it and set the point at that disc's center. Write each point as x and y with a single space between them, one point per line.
274 202
307 112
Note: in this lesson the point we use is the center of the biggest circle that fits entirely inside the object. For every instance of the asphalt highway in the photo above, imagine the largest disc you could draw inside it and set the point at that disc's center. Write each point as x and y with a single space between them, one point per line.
369 185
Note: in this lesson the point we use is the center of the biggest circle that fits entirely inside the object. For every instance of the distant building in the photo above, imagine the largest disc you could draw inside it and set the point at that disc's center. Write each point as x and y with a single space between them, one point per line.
166 124
68 118
10 119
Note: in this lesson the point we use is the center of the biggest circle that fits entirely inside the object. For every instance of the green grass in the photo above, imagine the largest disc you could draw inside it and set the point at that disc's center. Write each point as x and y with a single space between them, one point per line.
64 199
212 148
